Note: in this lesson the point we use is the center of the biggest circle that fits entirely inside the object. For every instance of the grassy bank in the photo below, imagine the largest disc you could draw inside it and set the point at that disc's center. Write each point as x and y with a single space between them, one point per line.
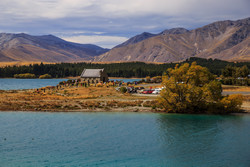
87 99
73 99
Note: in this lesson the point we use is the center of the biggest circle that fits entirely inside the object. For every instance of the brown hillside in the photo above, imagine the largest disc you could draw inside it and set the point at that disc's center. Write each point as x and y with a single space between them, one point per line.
226 40
47 48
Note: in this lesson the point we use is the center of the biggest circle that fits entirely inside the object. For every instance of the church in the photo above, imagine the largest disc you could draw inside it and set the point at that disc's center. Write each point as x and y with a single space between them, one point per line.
94 75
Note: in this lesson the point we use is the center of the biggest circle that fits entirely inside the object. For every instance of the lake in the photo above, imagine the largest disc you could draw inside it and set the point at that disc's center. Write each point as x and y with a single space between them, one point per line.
123 139
125 80
14 84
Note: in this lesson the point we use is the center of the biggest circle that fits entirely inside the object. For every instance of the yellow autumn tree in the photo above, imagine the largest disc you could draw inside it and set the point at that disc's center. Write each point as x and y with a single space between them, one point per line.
190 89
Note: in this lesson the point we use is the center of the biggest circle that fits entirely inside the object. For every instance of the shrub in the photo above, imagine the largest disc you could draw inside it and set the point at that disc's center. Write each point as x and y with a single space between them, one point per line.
26 75
123 89
45 76
69 81
99 85
232 103
62 83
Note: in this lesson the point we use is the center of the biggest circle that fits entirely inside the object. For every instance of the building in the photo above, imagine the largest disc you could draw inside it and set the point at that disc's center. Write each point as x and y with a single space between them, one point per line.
94 75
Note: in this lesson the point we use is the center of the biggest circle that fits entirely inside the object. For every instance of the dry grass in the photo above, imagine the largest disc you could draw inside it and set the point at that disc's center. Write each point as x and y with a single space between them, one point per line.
68 99
246 98
236 88
83 99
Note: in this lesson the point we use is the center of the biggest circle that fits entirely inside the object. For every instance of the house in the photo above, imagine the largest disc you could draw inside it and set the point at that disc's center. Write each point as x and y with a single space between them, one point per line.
94 75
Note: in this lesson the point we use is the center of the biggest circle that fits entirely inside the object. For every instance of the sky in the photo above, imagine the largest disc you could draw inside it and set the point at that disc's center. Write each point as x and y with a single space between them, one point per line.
108 23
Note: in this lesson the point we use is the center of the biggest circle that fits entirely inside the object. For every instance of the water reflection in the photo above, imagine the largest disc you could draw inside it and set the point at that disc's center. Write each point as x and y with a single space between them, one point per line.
199 138
123 139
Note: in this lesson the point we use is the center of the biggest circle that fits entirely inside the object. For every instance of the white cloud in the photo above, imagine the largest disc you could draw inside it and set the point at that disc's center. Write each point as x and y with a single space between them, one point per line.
103 41
114 17
53 9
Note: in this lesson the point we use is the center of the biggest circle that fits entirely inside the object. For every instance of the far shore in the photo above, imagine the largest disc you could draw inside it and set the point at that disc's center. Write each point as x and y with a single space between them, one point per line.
124 78
77 77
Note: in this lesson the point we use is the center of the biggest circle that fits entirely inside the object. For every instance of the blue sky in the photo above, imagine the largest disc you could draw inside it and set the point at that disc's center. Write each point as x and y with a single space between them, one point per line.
111 22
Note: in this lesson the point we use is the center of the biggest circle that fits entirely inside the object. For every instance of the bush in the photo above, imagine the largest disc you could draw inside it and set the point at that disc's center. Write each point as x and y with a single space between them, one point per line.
123 89
26 75
45 76
232 103
99 85
69 81
62 83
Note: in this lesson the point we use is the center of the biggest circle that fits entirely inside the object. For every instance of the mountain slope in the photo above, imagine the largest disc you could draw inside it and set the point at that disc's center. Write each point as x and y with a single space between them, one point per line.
146 35
136 39
226 40
47 48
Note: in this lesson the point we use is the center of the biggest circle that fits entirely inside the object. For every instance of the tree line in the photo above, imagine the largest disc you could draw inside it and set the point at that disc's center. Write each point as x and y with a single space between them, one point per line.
232 75
129 69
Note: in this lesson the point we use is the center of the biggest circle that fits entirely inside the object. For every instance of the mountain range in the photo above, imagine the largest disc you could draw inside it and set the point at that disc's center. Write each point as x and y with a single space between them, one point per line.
225 40
48 48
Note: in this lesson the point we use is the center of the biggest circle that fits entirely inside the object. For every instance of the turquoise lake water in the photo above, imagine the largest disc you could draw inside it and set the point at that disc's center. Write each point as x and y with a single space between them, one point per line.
123 139
125 80
14 84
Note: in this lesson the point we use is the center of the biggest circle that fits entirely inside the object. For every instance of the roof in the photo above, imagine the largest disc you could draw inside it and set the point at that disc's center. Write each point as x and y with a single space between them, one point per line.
93 73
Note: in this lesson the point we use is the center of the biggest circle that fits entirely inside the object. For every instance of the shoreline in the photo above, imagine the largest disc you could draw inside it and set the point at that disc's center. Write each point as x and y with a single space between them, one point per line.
85 99
72 78
94 110
120 110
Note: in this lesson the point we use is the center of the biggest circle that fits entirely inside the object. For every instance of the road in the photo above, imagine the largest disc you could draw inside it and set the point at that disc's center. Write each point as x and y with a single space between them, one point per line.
235 92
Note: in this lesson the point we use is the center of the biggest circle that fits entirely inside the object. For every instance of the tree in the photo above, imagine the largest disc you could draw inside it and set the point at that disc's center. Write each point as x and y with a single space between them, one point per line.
233 75
244 71
228 71
189 88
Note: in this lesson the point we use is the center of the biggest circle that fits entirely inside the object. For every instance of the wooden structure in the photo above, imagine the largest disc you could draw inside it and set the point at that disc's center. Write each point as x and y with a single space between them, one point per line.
94 75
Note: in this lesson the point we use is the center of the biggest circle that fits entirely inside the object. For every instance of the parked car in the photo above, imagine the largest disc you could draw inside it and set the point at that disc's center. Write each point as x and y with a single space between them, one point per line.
139 89
157 91
147 91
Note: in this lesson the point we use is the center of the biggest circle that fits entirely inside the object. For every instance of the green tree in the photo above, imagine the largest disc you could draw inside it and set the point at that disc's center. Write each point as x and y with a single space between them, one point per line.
189 88
244 71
